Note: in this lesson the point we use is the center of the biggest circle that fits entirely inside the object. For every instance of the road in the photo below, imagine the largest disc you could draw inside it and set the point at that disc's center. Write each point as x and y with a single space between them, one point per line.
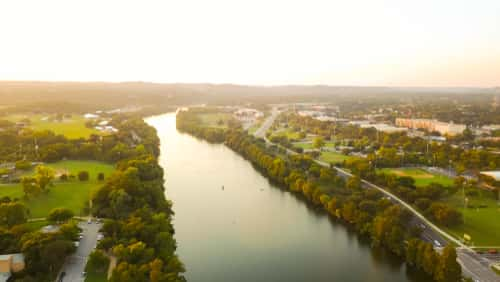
75 264
472 264
261 132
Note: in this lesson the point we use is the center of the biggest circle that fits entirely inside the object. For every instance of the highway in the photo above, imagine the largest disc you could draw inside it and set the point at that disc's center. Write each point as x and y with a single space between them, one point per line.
473 265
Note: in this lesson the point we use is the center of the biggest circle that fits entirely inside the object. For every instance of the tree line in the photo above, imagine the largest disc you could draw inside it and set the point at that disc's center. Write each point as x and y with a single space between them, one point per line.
138 228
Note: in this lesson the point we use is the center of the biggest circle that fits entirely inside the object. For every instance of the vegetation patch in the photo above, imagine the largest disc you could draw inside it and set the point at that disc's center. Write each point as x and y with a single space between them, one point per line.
71 126
333 157
71 193
422 177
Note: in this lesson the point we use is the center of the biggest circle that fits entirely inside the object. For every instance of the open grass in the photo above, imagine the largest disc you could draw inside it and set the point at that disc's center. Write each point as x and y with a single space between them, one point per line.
333 157
309 145
422 177
213 119
72 128
71 194
481 224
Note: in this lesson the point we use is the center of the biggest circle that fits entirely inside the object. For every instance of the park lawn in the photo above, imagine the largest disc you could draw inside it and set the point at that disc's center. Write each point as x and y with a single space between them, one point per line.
309 145
303 145
72 128
481 224
333 157
72 194
422 177
212 119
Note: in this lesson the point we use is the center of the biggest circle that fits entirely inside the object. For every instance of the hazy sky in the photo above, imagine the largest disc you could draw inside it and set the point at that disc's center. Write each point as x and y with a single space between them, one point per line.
407 43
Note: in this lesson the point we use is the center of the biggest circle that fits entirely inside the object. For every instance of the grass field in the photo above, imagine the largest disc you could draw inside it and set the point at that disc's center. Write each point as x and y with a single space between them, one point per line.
333 157
481 224
422 177
72 128
309 145
71 194
212 119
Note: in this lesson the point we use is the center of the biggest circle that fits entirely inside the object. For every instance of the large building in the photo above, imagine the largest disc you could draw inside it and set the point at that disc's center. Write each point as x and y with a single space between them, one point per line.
445 128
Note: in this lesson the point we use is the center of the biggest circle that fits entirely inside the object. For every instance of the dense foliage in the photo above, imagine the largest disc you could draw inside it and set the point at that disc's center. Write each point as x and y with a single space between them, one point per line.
138 228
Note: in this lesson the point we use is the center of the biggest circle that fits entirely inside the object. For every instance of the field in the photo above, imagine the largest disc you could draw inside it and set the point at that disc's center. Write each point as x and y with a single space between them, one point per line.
481 224
71 194
422 177
333 157
213 119
72 128
309 145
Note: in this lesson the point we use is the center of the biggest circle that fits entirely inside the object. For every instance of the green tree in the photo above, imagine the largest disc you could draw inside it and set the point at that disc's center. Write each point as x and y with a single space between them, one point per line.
318 142
98 261
448 269
13 213
60 215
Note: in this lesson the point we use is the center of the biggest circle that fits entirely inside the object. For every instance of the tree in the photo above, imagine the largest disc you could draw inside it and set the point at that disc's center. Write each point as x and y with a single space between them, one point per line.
13 213
318 142
83 175
33 186
98 261
60 215
354 183
448 269
100 176
44 176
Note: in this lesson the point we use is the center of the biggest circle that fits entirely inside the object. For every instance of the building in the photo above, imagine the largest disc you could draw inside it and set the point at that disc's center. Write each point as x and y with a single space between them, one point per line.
9 264
494 174
445 128
382 127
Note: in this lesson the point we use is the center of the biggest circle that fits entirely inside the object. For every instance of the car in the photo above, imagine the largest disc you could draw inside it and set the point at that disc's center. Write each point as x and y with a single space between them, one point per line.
99 237
80 237
436 243
492 251
89 221
76 243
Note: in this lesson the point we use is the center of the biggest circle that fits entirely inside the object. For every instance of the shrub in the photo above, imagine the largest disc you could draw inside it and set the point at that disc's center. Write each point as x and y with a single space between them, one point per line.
83 176
100 176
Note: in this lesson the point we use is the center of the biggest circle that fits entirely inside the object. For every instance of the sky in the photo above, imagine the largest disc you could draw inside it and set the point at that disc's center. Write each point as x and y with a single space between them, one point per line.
271 42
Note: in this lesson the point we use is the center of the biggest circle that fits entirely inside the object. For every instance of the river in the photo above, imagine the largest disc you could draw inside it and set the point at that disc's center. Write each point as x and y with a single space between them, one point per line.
251 230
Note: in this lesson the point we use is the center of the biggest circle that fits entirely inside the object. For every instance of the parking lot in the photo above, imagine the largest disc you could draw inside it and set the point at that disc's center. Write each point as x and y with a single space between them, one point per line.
75 264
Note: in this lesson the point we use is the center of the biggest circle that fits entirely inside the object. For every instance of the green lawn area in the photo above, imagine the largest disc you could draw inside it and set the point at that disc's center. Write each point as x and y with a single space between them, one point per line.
422 177
481 224
333 157
72 128
72 194
212 119
309 145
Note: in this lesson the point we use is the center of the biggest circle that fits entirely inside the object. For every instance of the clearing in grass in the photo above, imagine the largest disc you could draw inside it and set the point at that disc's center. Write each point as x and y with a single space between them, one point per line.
333 157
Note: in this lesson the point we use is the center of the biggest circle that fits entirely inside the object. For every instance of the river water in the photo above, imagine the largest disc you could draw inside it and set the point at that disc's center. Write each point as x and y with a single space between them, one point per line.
252 231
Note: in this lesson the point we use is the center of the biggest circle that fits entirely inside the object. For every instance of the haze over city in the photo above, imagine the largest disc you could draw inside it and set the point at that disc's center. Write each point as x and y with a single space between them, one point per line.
366 43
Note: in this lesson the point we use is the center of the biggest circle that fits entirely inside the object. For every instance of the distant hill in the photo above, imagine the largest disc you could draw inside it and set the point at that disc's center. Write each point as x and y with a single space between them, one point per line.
102 95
